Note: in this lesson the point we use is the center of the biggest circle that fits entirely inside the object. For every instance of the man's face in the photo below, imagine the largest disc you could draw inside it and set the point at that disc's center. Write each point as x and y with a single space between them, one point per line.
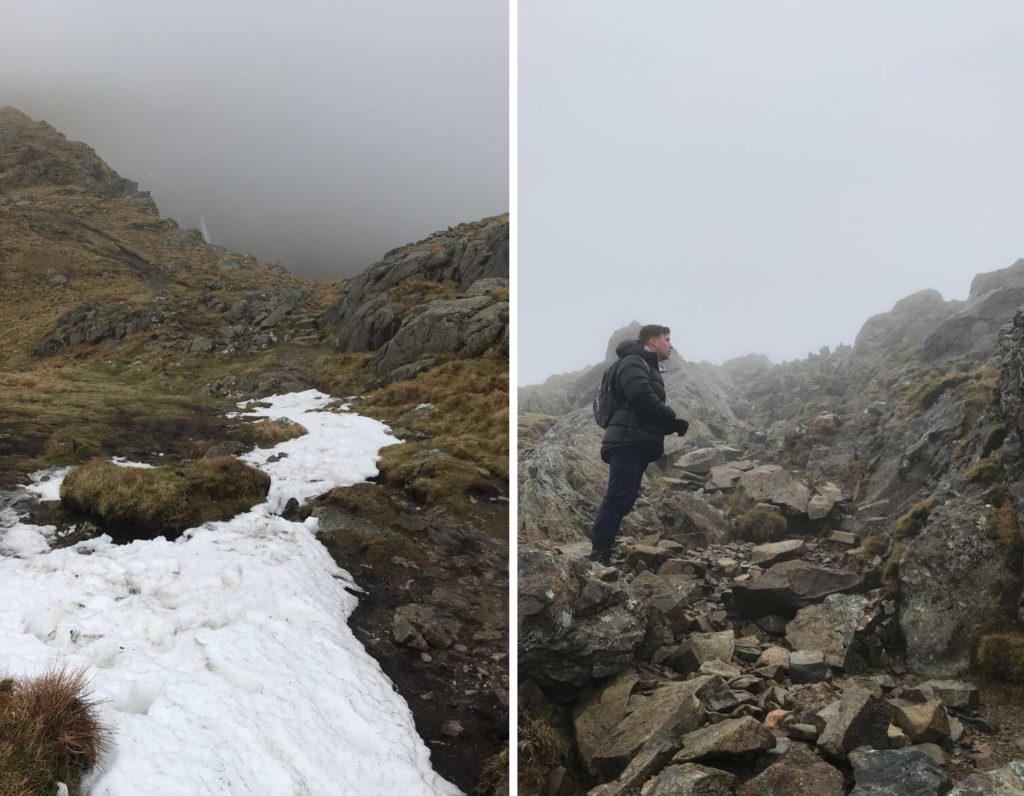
661 345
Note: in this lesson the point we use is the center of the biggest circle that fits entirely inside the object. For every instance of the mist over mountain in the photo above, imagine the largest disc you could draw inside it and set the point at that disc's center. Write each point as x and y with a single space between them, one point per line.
319 136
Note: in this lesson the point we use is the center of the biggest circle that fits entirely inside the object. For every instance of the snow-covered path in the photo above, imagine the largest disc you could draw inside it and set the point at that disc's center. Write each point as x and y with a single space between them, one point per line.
224 658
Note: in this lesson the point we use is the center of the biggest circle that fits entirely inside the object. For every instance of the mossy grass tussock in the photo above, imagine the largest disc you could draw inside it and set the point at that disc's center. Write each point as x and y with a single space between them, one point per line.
994 436
413 292
50 732
913 519
457 447
542 746
925 395
159 501
761 526
984 471
267 433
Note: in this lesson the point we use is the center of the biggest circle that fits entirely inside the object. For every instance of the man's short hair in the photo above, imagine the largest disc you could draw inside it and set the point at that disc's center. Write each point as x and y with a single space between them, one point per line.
652 330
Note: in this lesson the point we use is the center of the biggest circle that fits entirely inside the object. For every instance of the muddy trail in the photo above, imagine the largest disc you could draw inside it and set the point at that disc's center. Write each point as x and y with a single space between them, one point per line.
434 616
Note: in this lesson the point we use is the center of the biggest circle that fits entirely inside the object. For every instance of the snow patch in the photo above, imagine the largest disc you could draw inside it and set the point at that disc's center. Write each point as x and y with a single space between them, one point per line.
223 659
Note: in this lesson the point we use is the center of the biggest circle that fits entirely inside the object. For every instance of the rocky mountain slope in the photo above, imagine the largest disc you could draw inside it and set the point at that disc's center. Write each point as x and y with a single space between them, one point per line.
893 463
124 334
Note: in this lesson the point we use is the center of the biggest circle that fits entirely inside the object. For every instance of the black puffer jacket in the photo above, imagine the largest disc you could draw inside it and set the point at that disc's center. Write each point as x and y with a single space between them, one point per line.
644 418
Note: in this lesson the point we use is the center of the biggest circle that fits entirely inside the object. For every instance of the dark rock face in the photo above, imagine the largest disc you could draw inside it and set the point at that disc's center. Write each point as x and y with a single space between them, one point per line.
909 772
937 617
469 326
92 322
690 780
862 720
788 586
573 629
800 771
653 724
398 304
733 737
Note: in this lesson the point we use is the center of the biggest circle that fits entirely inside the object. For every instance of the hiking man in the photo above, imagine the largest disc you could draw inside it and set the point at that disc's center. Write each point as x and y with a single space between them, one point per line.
636 433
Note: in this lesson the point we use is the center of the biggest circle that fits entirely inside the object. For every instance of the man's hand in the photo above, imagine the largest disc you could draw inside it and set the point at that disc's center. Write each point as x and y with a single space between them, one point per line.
680 426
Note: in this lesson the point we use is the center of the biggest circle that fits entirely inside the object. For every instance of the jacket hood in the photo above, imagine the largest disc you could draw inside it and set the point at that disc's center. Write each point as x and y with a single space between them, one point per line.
627 347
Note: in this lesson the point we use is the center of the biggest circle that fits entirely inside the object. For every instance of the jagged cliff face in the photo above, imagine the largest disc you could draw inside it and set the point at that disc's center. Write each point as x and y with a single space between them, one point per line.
900 417
447 294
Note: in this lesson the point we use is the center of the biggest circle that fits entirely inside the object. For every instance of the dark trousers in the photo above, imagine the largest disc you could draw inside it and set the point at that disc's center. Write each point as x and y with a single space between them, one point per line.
625 473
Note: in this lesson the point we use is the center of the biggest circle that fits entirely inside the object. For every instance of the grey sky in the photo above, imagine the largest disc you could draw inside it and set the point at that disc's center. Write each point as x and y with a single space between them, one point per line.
758 176
319 134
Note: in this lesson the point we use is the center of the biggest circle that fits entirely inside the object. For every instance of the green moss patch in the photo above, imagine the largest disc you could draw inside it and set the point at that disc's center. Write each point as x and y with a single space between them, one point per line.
927 394
145 503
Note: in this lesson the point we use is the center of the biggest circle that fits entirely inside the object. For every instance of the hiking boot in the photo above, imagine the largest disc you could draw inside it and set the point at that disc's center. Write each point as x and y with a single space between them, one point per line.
602 555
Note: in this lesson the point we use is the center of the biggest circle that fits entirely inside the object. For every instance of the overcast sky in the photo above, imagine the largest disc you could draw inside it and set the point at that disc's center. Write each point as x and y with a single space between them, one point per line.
760 177
319 134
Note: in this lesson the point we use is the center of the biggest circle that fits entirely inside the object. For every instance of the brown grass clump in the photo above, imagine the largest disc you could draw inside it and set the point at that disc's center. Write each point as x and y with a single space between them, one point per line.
340 374
145 503
541 748
873 545
984 471
50 732
927 394
995 435
266 432
891 569
1000 656
762 525
494 778
532 427
1002 525
462 446
412 292
913 520
499 293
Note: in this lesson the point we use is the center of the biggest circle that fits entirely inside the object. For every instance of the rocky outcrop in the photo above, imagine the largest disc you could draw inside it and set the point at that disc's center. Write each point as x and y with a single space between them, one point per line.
447 294
93 322
789 586
573 629
666 685
909 772
467 326
35 154
937 617
907 324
